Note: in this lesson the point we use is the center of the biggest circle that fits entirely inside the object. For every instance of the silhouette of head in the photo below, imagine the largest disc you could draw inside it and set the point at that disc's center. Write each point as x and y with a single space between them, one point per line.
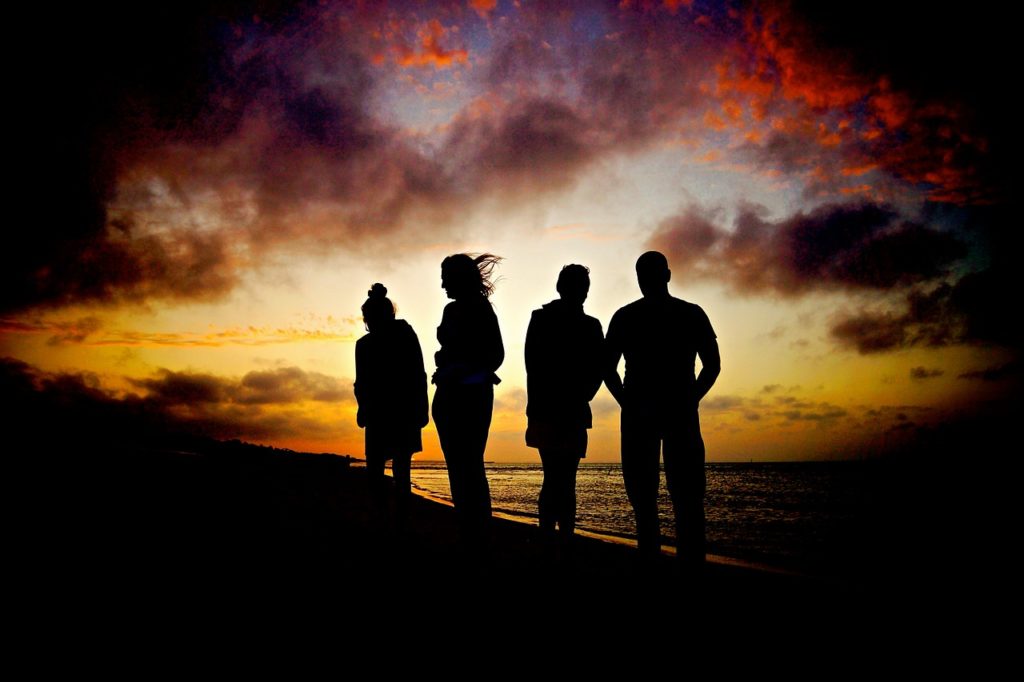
652 274
464 275
574 283
378 308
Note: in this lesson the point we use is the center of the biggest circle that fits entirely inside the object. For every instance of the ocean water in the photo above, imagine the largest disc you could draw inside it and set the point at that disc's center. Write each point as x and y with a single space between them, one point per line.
808 516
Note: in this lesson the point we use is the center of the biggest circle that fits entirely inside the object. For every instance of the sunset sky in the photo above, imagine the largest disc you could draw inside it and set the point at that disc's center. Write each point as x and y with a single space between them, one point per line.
211 189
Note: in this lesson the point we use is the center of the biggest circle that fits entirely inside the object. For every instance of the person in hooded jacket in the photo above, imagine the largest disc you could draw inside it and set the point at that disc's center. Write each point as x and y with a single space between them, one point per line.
391 391
563 373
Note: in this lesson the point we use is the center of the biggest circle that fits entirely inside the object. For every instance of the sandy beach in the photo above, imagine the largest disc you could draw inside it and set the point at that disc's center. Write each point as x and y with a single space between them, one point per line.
279 522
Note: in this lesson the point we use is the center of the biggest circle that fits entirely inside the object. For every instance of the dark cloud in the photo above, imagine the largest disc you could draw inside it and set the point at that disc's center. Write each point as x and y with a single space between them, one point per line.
901 426
240 130
201 137
888 420
520 60
75 332
76 407
121 266
285 385
183 388
969 311
913 269
548 113
781 408
535 145
873 333
187 146
896 413
826 414
722 402
836 246
128 74
921 373
996 373
902 101
291 384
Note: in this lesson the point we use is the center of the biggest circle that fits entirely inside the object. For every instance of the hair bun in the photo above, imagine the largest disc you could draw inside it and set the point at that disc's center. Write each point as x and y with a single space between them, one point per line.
378 290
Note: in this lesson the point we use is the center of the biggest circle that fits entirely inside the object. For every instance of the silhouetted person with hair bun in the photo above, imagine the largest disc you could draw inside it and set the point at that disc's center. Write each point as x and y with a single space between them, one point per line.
661 337
563 372
471 351
391 390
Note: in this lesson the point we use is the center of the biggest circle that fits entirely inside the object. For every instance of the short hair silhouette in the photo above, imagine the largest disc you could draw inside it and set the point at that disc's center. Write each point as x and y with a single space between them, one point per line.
574 282
661 337
652 273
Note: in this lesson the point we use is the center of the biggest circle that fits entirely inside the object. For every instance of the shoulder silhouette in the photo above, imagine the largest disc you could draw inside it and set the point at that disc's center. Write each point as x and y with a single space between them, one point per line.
391 397
471 352
660 337
563 372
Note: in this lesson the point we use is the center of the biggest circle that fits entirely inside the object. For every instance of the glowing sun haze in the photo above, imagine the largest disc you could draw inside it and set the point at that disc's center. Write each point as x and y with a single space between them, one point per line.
231 196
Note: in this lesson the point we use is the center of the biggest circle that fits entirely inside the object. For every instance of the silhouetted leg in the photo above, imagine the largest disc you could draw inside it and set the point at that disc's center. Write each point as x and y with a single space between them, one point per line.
480 402
567 497
463 417
684 471
377 483
640 473
547 504
400 468
558 492
444 413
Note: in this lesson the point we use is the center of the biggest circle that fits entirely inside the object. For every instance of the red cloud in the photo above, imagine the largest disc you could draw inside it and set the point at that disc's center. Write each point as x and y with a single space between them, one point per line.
428 50
814 94
483 7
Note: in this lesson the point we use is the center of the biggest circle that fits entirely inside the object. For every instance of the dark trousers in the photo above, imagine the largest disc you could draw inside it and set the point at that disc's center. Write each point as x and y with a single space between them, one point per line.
557 502
462 415
678 438
400 469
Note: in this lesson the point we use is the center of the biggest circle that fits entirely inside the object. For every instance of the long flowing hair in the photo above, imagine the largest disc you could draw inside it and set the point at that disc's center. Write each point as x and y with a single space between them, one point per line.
474 271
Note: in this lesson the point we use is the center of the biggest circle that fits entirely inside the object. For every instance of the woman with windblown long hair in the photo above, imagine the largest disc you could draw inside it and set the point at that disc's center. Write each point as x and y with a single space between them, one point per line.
471 351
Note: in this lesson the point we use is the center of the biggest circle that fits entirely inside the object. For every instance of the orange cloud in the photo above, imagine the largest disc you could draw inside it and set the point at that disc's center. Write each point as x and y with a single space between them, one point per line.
823 111
674 5
804 71
853 171
88 331
864 190
714 121
430 52
282 406
483 7
891 108
650 5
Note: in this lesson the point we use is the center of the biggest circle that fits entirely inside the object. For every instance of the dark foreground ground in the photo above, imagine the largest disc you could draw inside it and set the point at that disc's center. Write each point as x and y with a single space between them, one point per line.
159 526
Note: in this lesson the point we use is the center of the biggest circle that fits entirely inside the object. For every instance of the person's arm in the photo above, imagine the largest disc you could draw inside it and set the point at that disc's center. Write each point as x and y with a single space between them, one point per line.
531 348
612 355
359 388
494 349
418 376
711 367
595 360
441 356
